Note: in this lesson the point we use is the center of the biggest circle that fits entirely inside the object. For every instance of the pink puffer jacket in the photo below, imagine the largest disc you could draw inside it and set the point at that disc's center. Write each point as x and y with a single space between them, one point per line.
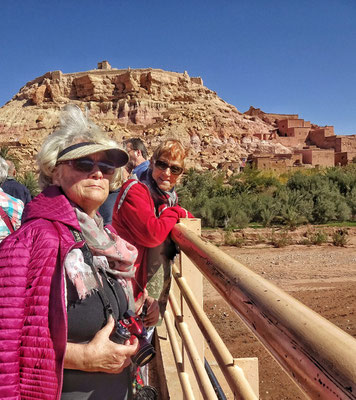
33 320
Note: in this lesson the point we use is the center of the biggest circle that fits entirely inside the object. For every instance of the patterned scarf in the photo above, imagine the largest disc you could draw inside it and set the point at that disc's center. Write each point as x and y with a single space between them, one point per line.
159 196
110 253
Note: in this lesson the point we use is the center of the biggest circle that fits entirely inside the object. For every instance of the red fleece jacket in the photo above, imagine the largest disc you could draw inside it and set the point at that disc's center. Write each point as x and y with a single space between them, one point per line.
136 222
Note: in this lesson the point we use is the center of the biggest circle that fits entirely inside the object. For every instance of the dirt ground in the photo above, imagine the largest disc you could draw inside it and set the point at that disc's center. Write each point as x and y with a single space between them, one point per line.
321 277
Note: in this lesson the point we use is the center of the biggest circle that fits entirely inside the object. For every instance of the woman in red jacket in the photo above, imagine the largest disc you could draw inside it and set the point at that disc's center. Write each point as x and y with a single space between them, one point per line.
145 213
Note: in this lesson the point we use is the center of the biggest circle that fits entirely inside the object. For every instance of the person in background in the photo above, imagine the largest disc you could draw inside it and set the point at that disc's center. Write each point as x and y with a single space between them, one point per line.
136 166
138 155
105 210
65 279
14 188
11 208
145 213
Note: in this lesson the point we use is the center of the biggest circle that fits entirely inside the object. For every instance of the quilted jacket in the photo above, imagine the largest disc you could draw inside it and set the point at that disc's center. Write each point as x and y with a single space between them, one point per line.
33 321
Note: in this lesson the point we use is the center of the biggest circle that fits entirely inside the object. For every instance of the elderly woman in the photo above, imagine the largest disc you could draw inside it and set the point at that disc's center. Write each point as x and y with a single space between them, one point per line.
65 279
145 213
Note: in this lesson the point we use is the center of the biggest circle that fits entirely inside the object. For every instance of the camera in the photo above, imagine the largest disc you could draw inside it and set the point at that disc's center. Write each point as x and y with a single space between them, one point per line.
133 325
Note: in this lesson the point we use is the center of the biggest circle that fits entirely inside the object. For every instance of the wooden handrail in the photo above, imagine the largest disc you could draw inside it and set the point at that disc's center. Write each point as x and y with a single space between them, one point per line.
316 354
183 376
238 383
197 363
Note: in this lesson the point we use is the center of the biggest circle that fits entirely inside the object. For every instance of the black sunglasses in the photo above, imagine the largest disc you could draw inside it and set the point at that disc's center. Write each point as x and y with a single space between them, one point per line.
163 166
87 165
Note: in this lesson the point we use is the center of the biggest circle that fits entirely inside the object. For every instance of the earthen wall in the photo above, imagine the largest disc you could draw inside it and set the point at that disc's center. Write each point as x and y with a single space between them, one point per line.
259 113
278 162
282 116
270 163
198 80
328 142
300 133
344 158
326 130
285 124
345 143
317 137
322 158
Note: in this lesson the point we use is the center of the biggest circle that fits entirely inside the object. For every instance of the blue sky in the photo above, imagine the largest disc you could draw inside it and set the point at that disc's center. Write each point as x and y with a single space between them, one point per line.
281 56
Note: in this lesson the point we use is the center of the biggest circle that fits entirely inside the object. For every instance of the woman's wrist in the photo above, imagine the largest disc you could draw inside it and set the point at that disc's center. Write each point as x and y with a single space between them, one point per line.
76 356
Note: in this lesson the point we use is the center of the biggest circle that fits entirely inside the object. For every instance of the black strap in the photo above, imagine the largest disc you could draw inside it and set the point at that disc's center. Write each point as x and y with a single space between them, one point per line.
88 259
73 147
6 219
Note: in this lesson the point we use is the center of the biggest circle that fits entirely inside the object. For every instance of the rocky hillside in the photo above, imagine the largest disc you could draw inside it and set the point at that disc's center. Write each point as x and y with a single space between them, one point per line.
149 103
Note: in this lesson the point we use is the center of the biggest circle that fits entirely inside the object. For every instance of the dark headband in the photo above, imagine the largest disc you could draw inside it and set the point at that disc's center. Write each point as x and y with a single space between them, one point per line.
73 147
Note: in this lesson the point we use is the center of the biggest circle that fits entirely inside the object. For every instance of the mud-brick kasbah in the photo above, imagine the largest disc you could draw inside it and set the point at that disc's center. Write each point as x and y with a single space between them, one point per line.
155 104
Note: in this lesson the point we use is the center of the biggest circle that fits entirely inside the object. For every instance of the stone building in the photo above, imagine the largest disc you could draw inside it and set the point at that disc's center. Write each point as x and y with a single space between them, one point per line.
317 157
276 162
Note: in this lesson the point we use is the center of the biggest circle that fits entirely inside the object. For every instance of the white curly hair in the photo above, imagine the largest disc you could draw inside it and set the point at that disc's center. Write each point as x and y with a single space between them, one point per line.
4 167
74 128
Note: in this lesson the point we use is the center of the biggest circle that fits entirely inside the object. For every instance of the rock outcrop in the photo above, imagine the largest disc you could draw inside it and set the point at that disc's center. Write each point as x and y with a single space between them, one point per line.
149 103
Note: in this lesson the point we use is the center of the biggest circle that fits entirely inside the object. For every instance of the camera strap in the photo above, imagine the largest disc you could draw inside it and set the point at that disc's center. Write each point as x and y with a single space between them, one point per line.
88 259
6 220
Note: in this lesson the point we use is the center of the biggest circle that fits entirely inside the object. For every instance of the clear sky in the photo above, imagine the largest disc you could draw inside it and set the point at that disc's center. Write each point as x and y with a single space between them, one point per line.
283 56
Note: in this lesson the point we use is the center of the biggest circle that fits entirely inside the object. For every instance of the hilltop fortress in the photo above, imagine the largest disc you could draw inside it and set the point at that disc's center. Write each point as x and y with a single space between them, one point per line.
310 145
155 104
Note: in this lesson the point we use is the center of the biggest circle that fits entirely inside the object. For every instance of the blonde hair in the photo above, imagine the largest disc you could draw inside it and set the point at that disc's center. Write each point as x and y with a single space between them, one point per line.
74 127
171 148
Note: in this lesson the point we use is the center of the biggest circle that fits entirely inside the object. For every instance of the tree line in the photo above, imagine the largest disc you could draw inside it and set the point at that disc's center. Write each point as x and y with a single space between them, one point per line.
267 198
314 196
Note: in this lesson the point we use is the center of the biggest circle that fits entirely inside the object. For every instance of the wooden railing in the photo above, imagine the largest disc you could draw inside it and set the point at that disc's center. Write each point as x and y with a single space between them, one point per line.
318 356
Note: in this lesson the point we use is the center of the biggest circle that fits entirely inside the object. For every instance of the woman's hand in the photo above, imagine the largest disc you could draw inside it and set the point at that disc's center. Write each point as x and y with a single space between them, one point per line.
139 303
101 354
179 211
152 313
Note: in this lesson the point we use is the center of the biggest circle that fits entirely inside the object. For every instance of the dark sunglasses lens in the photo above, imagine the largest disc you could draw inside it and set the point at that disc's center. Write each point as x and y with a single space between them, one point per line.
87 165
161 165
83 165
176 170
106 168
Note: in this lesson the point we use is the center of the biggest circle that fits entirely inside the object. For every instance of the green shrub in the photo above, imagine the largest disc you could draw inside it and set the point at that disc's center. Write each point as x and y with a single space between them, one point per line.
5 154
280 239
265 209
30 180
343 178
295 207
351 202
291 217
239 219
318 237
216 212
267 215
305 242
252 180
343 211
231 240
259 239
4 151
340 238
253 196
